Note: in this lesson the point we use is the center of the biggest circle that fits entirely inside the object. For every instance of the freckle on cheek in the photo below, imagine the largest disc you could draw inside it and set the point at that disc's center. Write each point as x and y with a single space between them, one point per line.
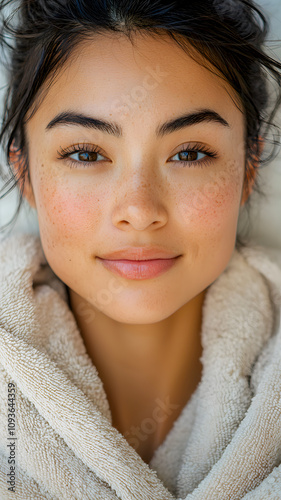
211 204
72 213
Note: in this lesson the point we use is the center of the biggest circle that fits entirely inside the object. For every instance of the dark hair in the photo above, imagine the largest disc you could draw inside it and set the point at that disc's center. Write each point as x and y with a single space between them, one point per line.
39 36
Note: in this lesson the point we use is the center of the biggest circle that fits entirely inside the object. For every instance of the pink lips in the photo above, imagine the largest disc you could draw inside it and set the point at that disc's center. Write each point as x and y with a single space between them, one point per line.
139 269
139 262
140 253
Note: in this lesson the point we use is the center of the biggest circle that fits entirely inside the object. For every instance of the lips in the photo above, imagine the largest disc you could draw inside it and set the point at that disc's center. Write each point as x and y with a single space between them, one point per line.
139 269
140 254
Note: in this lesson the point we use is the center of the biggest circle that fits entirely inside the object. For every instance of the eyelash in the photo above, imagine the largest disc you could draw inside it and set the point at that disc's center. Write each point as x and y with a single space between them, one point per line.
82 148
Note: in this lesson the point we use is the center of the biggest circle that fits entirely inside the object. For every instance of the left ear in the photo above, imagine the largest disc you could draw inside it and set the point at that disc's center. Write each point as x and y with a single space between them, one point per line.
251 172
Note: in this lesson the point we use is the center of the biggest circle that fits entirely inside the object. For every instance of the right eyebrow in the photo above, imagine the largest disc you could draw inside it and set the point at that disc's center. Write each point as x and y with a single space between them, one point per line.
113 128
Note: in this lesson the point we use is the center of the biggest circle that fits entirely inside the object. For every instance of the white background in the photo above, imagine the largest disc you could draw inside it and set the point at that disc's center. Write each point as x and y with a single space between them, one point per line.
265 216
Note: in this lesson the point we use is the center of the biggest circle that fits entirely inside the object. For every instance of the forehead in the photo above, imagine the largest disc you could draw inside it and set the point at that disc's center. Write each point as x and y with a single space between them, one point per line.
107 72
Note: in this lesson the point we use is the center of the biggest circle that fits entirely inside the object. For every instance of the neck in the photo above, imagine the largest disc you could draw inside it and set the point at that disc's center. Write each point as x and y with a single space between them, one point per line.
121 350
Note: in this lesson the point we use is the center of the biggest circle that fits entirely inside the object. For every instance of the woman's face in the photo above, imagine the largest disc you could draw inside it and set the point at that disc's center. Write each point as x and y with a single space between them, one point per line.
139 189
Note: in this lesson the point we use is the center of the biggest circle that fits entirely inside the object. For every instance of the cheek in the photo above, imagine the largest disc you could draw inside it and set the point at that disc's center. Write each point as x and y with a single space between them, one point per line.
65 212
213 206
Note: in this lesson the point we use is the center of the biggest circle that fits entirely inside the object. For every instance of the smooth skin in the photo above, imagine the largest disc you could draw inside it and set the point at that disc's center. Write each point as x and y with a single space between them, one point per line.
142 335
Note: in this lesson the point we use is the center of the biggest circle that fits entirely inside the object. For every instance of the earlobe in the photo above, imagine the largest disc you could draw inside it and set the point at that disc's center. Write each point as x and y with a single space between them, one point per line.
251 172
17 163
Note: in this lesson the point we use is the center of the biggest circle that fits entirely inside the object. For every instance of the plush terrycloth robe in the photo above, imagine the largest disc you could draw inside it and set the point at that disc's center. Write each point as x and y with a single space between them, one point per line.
55 419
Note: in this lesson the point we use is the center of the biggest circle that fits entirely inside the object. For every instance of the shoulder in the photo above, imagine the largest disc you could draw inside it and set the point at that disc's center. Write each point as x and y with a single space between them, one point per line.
267 261
19 250
23 265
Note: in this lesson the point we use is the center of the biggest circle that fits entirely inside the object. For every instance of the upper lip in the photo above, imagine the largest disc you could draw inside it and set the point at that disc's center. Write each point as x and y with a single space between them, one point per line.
140 253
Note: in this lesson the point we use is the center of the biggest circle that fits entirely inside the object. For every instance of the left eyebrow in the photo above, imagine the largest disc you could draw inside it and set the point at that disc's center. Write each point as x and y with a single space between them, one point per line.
113 128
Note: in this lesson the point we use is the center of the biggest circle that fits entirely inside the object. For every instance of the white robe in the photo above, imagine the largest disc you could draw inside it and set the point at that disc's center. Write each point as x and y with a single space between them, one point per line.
225 444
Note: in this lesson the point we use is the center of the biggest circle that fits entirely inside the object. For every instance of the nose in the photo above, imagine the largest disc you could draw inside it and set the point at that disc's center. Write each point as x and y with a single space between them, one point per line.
140 203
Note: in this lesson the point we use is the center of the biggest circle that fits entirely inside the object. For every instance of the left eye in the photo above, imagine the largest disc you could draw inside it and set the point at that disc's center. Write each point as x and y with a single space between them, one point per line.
87 156
190 155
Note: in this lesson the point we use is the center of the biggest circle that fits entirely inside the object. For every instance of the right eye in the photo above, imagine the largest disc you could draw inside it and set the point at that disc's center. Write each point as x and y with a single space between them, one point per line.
84 156
80 155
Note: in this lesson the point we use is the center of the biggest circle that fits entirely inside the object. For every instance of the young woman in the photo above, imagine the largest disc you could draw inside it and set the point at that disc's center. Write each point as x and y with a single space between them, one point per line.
138 334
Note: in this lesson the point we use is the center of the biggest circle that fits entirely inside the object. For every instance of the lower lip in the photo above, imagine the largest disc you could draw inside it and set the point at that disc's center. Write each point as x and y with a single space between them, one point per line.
137 269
